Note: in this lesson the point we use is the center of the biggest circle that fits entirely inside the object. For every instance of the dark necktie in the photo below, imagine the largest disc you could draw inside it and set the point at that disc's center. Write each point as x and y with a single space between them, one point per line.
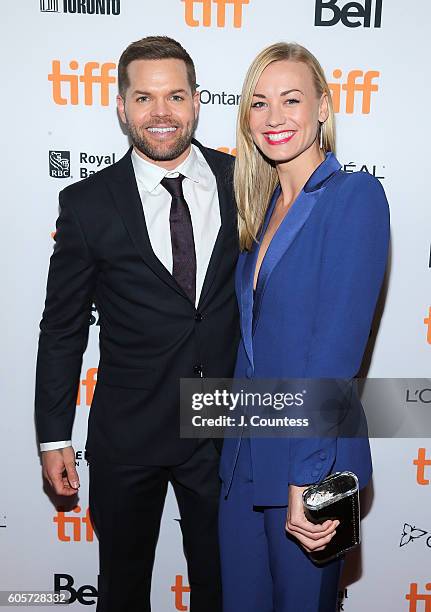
183 244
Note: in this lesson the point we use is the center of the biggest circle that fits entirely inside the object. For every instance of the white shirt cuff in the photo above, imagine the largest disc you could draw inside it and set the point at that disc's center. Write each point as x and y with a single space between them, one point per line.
47 446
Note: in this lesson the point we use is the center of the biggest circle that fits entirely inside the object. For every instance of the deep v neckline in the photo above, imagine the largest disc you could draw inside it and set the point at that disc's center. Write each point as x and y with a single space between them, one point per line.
265 229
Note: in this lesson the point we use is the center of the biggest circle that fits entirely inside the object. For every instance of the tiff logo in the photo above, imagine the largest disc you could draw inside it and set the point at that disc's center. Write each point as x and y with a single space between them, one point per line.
49 6
179 589
358 82
414 597
421 463
89 78
89 382
207 12
427 322
63 520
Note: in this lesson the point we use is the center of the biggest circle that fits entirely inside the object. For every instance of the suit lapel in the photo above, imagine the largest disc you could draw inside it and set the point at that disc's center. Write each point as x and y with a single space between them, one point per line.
227 216
280 243
124 190
246 281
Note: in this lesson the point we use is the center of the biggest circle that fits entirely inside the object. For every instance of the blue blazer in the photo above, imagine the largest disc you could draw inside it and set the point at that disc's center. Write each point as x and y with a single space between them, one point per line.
317 290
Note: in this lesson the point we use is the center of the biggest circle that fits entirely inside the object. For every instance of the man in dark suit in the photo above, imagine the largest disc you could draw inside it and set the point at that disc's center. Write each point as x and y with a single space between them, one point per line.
152 241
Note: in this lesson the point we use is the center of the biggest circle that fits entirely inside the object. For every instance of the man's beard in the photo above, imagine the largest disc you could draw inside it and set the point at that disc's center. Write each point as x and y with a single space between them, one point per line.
163 151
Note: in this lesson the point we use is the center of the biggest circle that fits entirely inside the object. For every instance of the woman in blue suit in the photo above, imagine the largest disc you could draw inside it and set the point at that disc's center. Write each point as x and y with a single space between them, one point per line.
314 243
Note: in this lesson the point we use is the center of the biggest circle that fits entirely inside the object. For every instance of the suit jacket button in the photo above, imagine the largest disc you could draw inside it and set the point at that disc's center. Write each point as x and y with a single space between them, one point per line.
197 369
322 456
198 317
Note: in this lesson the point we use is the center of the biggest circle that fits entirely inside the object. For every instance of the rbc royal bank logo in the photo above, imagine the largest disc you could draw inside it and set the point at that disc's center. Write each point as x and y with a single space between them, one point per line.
59 164
206 12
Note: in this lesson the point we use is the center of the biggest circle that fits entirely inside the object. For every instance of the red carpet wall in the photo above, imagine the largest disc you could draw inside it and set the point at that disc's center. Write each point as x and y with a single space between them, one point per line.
59 124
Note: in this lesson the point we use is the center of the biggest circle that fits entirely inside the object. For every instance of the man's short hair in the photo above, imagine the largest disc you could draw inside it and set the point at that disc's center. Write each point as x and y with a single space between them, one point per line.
153 48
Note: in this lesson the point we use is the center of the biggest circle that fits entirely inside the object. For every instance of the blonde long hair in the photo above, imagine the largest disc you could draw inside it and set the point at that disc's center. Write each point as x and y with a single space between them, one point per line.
255 177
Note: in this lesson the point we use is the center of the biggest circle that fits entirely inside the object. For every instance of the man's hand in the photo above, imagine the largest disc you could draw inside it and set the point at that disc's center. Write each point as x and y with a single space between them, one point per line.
312 537
58 467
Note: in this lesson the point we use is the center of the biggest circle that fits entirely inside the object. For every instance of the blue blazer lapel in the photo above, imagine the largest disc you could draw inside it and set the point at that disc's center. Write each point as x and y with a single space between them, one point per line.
246 280
292 224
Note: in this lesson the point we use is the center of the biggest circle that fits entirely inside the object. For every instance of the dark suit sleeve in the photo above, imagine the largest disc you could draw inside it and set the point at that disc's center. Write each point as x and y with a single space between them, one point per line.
64 327
353 267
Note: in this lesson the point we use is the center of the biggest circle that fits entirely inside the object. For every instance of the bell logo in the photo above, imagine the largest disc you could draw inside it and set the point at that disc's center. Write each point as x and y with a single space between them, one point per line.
414 597
88 78
207 12
427 322
350 14
85 595
89 382
357 82
63 520
421 462
179 589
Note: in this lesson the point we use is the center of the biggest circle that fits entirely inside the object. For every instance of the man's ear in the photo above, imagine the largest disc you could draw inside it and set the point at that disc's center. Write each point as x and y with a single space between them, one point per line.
120 108
323 108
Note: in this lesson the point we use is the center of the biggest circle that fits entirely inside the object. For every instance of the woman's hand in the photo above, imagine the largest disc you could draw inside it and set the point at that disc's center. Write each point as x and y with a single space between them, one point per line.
312 537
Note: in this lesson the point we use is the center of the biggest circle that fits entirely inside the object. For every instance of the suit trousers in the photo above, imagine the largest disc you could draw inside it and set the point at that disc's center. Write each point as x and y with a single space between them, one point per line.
264 569
126 505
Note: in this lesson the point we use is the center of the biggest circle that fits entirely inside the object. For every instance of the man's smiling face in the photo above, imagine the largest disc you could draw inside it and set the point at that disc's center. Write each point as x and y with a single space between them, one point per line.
160 110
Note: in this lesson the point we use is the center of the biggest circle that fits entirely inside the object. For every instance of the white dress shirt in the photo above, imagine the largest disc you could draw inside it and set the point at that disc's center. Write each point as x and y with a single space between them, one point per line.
200 193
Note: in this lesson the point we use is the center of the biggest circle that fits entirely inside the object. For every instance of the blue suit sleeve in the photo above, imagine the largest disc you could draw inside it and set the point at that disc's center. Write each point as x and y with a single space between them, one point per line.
353 268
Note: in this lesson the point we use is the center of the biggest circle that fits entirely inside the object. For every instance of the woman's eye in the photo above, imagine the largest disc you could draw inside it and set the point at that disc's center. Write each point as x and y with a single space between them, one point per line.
291 101
257 105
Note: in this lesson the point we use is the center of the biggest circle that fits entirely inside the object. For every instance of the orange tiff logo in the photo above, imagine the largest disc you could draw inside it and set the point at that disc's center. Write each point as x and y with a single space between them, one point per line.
179 589
414 597
74 534
206 12
66 87
89 383
227 150
357 82
421 463
427 322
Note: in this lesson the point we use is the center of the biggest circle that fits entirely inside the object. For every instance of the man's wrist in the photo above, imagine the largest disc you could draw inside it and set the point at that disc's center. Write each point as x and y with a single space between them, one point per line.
48 446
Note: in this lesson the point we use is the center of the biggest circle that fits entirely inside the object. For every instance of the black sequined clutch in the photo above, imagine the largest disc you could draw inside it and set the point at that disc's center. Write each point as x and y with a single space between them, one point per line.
335 497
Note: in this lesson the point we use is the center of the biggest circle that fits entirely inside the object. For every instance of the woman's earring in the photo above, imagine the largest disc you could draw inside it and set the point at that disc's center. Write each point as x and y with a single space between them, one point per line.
321 135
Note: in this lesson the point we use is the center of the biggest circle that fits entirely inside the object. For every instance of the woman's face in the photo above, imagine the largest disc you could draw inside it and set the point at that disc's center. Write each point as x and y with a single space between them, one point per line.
285 111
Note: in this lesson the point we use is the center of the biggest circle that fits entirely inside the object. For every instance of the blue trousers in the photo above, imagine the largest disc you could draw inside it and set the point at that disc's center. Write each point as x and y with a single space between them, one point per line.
264 569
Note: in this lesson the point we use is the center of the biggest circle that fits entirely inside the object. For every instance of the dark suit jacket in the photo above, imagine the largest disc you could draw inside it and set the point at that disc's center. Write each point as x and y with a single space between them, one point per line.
151 334
314 304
